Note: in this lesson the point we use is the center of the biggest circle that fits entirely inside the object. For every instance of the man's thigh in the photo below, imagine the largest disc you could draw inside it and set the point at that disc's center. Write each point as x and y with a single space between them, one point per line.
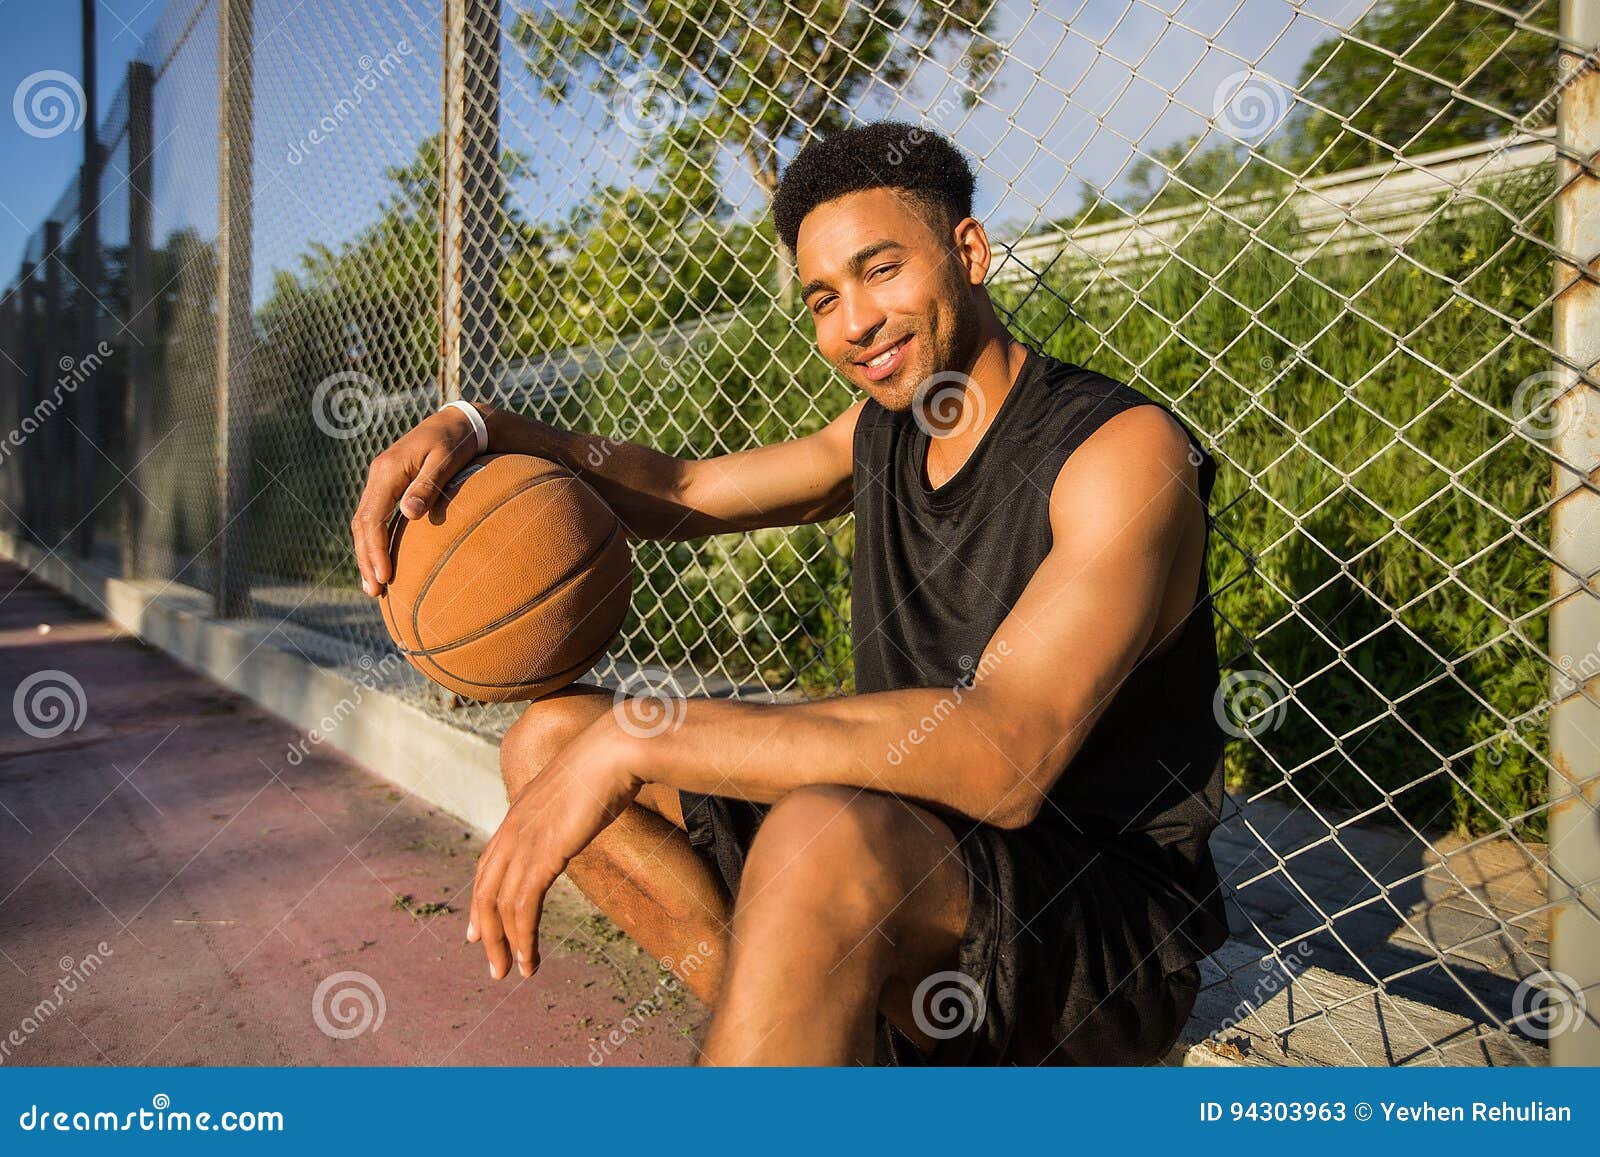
904 857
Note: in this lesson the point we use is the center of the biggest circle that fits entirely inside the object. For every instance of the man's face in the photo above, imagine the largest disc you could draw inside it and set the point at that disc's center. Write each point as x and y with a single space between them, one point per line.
891 298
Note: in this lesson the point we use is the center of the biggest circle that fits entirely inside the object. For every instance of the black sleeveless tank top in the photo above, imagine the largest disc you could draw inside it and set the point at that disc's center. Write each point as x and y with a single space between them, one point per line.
935 572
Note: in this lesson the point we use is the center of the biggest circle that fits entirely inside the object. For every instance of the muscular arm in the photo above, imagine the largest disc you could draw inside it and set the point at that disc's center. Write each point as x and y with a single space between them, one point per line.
661 497
993 750
655 495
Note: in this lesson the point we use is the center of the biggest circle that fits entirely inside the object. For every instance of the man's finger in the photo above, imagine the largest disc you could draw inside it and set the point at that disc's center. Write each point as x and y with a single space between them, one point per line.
429 483
369 529
486 916
527 942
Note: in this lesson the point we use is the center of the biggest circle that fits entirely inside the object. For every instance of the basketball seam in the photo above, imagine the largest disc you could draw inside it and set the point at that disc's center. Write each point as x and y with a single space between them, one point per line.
460 540
551 591
576 669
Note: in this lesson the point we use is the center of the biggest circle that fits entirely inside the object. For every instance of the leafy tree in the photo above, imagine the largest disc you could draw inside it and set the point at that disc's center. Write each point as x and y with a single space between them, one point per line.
757 75
1419 75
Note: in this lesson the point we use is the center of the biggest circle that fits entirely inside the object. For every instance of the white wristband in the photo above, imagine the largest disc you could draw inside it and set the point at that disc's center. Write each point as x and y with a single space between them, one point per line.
471 411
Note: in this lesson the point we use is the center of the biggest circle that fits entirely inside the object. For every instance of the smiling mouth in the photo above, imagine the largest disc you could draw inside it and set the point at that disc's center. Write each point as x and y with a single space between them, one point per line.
885 363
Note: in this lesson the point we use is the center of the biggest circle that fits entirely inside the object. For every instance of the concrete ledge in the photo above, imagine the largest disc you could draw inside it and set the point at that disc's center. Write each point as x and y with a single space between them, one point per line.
450 768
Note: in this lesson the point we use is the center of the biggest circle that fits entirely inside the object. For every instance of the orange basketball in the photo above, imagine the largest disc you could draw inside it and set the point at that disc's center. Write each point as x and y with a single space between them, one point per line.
513 584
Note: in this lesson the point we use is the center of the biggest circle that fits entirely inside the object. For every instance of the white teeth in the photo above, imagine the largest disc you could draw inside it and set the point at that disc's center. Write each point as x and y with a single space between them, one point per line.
886 354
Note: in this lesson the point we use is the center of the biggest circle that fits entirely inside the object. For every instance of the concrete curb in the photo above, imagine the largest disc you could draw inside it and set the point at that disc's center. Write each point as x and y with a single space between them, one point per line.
451 769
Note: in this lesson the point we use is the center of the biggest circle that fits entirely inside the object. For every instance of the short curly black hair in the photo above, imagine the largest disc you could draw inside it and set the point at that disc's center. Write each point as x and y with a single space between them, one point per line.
881 155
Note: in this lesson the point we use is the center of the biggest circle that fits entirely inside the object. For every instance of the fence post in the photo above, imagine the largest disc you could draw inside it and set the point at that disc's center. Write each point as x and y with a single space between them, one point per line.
235 155
469 253
85 397
27 383
1575 541
47 454
10 400
140 323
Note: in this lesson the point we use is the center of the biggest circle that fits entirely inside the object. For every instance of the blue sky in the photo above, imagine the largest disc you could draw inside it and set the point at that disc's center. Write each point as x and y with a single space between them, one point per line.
36 35
1084 80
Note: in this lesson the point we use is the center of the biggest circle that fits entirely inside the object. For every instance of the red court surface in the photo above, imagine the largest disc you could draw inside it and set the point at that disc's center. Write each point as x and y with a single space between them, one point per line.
175 891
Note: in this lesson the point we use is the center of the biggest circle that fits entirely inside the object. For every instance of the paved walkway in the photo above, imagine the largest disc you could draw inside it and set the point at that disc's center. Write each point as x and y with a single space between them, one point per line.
178 884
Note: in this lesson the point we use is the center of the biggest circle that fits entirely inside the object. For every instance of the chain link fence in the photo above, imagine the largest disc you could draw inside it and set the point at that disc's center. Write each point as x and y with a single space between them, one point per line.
1338 239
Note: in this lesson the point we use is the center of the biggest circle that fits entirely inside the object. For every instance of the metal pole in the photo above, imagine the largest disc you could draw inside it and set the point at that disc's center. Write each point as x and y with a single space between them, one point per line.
46 457
236 144
469 252
141 326
1575 542
85 399
11 364
27 396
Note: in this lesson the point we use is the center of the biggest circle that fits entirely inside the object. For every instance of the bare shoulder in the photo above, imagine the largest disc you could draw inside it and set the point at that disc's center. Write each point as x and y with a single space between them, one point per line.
1138 467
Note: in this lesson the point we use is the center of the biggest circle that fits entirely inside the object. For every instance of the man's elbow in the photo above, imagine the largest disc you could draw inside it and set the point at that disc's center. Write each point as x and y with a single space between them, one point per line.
1020 786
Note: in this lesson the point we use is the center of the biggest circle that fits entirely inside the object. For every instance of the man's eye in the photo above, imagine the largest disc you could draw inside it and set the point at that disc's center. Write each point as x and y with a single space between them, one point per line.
819 303
891 267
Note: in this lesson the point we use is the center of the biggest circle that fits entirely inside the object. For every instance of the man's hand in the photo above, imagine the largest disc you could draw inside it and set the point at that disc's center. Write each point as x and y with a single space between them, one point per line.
411 472
554 817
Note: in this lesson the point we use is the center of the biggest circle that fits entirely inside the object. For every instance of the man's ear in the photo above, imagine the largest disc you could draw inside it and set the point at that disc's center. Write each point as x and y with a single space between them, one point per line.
972 248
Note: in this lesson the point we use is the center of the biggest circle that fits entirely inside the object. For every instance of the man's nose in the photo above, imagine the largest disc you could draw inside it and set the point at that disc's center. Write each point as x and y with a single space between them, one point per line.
861 320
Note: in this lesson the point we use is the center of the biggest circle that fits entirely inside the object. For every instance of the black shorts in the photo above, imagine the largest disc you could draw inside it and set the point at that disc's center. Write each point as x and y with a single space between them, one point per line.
1071 956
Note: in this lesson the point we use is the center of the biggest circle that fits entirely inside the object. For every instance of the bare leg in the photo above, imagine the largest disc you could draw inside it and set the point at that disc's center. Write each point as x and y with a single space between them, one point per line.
640 871
848 901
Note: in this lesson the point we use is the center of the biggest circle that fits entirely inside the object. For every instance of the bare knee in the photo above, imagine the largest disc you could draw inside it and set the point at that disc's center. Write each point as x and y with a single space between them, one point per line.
544 728
826 852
